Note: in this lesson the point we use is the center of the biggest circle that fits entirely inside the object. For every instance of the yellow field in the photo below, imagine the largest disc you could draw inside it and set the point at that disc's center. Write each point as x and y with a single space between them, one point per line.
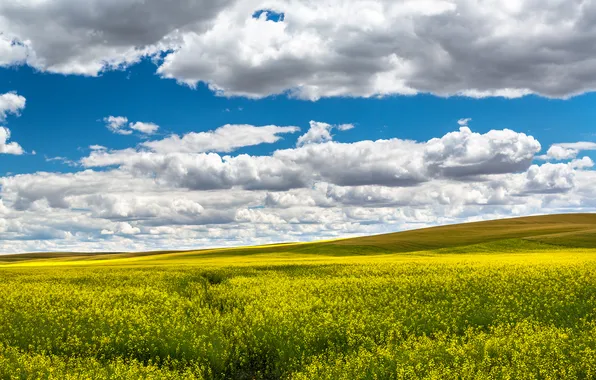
507 299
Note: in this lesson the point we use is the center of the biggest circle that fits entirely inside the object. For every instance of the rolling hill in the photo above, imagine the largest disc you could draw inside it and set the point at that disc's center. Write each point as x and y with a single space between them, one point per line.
571 230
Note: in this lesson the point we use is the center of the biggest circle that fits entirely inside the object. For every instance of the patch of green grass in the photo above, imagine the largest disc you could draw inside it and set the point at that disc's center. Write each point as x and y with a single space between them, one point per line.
583 239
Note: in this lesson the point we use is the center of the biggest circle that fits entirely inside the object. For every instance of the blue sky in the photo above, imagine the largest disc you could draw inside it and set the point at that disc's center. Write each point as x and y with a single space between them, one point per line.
64 114
246 122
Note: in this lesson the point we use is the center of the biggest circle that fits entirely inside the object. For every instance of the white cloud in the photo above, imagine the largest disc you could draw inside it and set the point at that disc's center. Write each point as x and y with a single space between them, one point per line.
11 53
465 153
61 159
464 122
11 103
368 48
321 49
345 127
161 199
146 128
320 132
226 138
550 178
392 162
567 151
122 228
118 124
8 147
71 37
583 163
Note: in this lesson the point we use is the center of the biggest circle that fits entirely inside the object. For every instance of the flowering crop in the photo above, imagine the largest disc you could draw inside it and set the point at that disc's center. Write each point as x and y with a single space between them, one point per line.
458 315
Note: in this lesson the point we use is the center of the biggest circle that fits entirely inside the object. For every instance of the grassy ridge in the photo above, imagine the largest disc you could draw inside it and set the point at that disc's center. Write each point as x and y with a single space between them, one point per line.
570 229
511 301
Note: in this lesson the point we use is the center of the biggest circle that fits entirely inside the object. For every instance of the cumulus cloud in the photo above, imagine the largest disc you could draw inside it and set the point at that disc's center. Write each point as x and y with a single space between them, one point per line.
583 163
123 228
368 48
104 210
71 37
118 125
11 53
465 153
160 197
567 151
146 128
549 178
11 103
318 49
393 162
8 147
320 132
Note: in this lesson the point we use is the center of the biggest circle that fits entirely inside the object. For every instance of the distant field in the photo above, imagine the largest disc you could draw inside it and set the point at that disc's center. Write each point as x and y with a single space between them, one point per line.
507 299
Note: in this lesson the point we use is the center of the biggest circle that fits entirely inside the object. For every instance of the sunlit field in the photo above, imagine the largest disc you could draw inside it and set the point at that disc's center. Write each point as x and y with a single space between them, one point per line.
513 299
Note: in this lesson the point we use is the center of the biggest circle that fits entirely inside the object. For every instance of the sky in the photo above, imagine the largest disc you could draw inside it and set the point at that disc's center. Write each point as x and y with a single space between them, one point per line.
130 125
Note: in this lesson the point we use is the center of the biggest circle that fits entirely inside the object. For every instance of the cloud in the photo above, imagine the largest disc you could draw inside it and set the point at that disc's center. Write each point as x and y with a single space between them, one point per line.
122 228
395 162
70 37
92 210
118 125
146 128
320 132
61 159
345 127
371 48
226 138
583 163
11 53
159 197
317 49
8 147
464 122
464 153
11 103
549 178
567 151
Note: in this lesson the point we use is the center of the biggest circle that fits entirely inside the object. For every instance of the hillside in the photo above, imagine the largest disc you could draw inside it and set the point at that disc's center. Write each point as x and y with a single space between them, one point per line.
571 230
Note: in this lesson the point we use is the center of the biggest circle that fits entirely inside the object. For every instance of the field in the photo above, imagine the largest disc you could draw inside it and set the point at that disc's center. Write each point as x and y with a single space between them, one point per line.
507 299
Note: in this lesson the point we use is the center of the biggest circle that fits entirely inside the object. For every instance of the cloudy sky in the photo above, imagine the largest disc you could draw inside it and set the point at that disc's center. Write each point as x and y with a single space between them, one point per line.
141 125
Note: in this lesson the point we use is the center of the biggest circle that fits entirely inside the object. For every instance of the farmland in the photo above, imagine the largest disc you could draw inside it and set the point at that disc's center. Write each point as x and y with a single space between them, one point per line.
509 299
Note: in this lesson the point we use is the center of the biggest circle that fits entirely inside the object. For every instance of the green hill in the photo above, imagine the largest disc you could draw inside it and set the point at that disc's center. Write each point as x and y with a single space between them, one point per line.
570 230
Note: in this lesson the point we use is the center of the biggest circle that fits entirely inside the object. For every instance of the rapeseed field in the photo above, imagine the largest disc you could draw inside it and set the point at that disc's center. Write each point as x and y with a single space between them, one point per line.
509 309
